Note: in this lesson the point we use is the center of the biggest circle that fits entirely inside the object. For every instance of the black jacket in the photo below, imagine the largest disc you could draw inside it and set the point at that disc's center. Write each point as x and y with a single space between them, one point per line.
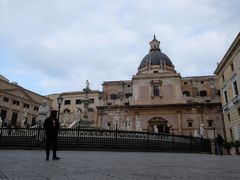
48 126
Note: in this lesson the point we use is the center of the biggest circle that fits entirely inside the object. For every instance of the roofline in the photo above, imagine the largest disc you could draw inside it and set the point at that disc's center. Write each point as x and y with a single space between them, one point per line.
182 105
205 76
120 81
26 90
228 54
76 92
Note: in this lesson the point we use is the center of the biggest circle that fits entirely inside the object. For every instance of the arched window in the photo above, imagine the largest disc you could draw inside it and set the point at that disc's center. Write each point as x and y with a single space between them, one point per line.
113 96
203 93
186 93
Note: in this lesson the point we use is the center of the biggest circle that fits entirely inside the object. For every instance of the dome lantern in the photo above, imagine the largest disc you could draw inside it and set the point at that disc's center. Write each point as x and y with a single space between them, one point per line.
154 44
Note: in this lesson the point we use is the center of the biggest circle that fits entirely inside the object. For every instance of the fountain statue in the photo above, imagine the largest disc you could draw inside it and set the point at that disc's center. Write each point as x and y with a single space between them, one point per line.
202 130
138 124
85 122
128 124
24 119
43 113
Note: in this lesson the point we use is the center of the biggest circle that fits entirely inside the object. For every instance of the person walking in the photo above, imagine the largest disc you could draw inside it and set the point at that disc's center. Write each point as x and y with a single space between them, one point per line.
219 143
51 126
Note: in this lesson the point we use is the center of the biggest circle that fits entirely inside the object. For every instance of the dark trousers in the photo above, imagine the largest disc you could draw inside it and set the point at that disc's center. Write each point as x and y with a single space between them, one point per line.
220 149
51 141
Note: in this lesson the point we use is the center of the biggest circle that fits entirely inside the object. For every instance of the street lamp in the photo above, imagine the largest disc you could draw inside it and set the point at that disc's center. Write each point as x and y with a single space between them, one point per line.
59 101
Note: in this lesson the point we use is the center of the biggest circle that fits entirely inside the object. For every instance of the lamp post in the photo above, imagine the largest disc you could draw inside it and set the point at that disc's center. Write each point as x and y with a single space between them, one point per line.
59 101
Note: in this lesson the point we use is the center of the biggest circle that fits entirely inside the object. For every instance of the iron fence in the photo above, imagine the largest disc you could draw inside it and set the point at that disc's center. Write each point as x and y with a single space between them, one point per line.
99 139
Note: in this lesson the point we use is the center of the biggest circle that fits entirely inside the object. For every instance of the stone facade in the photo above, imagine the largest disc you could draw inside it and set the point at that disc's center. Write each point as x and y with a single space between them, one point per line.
228 72
19 106
72 108
158 97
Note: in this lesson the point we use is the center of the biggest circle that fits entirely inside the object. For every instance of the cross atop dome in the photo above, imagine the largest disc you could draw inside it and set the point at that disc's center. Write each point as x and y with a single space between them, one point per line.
154 44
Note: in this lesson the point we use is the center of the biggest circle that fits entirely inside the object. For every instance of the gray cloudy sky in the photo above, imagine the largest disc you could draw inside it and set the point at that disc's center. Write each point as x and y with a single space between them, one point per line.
55 46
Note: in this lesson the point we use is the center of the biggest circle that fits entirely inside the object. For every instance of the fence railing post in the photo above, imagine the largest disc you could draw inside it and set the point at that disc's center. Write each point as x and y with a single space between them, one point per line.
1 136
173 141
116 134
191 142
78 136
38 136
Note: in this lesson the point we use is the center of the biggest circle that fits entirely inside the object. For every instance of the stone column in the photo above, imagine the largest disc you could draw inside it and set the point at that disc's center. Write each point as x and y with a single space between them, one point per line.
179 115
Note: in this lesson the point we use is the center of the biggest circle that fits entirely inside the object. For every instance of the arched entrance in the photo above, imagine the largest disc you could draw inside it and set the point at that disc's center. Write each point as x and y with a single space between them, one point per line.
159 125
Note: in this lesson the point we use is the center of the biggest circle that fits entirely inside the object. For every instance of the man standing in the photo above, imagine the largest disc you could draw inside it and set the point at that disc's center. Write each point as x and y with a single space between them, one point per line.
219 142
51 126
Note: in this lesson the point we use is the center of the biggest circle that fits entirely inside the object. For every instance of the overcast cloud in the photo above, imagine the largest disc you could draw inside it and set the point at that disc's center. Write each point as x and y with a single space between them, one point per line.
55 46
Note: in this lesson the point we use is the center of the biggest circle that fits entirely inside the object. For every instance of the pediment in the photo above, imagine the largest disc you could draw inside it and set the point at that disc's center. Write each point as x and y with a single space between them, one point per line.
19 92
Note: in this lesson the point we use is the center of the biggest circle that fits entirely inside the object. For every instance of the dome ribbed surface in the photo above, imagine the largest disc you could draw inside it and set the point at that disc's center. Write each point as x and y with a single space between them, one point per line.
155 58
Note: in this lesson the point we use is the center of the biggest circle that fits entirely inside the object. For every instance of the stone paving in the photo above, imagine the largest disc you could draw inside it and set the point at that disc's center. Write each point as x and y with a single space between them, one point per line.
102 165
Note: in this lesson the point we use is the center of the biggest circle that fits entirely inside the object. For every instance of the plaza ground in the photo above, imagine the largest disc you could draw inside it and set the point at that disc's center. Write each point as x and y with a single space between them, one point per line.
104 165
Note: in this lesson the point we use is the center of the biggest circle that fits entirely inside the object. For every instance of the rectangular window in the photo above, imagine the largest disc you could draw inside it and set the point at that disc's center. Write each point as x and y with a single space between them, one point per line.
33 121
66 102
235 87
14 118
190 123
156 91
232 67
225 97
3 114
5 99
78 101
35 108
203 93
16 102
218 93
26 105
210 123
92 100
202 82
229 118
231 133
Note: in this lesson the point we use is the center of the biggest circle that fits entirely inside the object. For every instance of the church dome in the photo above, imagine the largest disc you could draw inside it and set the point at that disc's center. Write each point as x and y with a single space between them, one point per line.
155 57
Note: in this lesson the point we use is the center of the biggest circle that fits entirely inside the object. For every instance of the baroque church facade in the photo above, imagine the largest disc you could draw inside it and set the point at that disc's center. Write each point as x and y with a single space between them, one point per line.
158 99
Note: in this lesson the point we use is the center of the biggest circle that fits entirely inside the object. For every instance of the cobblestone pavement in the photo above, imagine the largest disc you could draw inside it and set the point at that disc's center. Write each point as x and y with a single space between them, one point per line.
102 165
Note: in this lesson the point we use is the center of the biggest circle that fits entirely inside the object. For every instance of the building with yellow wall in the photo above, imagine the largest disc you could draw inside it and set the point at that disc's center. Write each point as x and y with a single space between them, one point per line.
228 72
18 104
